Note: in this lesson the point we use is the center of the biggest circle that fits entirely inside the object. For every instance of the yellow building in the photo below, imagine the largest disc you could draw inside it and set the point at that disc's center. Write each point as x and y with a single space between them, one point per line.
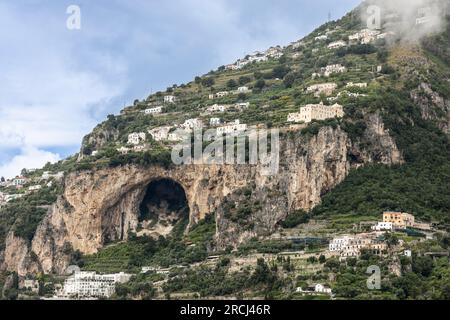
399 219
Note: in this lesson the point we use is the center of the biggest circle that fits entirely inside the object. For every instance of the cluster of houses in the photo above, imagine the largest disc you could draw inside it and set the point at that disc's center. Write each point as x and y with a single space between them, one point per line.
271 53
319 111
366 36
221 94
352 245
27 184
399 221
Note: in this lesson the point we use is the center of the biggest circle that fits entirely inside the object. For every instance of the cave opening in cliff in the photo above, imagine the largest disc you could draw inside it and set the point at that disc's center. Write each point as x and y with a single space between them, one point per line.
163 207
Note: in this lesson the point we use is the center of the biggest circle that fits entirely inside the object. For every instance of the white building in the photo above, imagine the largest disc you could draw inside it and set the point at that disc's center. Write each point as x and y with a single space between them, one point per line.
333 68
155 110
91 285
19 181
359 85
136 138
169 99
222 94
160 134
231 128
322 37
407 253
192 124
320 288
35 188
243 89
339 243
383 226
337 44
214 122
216 108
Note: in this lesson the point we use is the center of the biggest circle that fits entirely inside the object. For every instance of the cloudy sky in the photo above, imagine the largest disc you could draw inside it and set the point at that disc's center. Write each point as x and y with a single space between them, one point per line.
57 84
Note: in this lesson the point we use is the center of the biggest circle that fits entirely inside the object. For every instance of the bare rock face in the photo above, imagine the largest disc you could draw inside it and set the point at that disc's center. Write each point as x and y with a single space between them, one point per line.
18 258
103 205
432 106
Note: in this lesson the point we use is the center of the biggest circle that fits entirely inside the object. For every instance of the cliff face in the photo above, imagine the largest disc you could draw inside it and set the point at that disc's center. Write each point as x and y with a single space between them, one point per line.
103 205
433 106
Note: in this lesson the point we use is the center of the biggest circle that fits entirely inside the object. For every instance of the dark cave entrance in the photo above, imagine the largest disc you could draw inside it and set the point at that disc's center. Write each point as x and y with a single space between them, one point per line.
163 207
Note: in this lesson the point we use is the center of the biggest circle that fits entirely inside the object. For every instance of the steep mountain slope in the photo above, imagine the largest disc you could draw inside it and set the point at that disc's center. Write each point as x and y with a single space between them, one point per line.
389 152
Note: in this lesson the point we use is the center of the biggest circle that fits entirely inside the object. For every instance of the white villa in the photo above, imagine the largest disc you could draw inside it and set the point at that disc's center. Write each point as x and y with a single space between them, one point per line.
222 94
320 111
337 44
322 37
234 127
155 110
333 68
359 85
91 285
214 122
383 226
216 108
136 138
160 134
169 99
243 89
318 89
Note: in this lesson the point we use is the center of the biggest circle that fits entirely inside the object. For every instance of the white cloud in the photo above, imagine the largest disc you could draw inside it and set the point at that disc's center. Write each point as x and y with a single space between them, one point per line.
29 157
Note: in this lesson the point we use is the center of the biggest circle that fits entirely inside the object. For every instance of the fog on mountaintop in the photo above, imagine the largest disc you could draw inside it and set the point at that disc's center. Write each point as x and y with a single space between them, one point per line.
410 20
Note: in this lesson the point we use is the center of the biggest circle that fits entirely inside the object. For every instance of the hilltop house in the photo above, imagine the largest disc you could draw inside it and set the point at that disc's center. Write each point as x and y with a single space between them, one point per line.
351 246
383 226
155 110
19 181
320 112
222 94
337 44
136 138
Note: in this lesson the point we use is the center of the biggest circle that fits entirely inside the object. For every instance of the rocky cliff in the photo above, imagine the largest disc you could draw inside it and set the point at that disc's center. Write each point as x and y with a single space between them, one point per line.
102 205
